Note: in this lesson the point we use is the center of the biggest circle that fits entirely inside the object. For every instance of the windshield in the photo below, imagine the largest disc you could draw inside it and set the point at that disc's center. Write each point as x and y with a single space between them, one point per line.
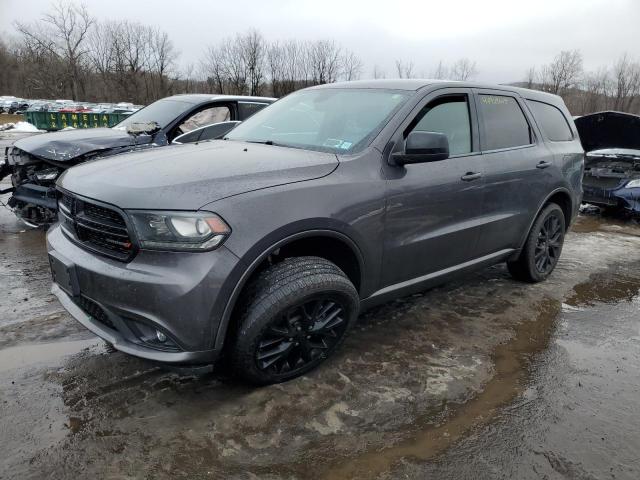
329 120
163 112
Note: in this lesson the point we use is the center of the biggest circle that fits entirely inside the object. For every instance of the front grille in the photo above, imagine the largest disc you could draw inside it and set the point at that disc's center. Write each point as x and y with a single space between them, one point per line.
98 228
601 182
94 311
95 211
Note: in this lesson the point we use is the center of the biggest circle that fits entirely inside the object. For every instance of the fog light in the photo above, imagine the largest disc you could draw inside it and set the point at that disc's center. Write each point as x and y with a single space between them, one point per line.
161 336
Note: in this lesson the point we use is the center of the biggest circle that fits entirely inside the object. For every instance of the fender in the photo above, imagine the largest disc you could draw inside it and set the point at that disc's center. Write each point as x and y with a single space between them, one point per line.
539 209
250 267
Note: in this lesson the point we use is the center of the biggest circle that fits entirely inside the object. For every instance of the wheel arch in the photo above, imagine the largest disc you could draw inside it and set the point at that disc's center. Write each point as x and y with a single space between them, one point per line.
333 244
562 197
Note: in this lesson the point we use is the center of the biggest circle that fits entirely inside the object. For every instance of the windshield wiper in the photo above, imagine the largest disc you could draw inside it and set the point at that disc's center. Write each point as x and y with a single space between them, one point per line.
274 144
265 142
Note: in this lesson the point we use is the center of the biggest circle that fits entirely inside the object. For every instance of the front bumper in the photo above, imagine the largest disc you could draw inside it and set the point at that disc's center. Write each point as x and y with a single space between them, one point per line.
621 198
36 195
182 295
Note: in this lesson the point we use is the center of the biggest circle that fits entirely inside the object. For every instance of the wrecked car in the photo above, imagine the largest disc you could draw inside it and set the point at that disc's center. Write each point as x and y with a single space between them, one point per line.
36 162
334 199
611 141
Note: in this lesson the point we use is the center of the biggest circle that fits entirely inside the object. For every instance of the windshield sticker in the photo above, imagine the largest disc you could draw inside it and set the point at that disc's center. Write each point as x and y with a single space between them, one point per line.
493 100
346 145
332 142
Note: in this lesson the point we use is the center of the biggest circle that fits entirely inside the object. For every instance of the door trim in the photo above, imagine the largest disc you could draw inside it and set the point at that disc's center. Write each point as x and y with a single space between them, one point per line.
441 273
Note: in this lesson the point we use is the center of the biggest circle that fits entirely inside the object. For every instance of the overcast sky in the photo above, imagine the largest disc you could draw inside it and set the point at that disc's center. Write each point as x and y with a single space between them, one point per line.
504 37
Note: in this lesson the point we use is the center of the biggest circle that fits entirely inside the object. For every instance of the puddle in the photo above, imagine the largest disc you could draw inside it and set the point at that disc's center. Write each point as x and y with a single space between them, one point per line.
604 288
579 417
27 355
510 361
592 223
615 290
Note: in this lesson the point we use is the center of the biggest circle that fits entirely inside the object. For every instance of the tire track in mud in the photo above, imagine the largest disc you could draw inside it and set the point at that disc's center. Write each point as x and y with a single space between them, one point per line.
510 359
512 373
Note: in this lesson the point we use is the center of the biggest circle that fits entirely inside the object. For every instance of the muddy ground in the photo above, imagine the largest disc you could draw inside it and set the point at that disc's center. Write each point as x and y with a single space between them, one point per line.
10 118
482 378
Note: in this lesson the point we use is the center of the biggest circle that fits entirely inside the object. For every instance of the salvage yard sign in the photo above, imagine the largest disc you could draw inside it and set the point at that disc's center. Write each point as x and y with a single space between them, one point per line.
59 120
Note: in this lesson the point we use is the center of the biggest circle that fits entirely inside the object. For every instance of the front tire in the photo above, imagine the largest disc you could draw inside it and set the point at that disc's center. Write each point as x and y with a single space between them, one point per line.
543 247
295 315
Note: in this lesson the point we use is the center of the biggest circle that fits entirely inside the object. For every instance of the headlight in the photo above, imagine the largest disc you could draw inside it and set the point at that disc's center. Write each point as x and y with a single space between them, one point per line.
633 184
47 174
186 231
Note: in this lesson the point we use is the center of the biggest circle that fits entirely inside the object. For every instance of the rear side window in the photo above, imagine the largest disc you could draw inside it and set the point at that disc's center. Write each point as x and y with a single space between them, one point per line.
246 109
505 125
551 120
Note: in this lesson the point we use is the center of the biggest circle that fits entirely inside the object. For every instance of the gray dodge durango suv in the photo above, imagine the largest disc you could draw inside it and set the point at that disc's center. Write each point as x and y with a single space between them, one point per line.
264 246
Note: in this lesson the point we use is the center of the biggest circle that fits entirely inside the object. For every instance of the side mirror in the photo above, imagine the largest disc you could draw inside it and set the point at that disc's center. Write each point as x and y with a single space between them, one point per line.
421 147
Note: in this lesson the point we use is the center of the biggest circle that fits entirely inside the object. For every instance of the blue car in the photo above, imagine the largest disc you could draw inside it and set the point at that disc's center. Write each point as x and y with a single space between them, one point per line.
611 141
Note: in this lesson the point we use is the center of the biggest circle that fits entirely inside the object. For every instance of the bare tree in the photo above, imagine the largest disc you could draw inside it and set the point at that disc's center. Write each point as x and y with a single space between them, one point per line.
276 67
253 50
532 76
378 72
324 61
161 62
351 66
63 33
441 72
564 72
464 69
594 92
626 83
404 70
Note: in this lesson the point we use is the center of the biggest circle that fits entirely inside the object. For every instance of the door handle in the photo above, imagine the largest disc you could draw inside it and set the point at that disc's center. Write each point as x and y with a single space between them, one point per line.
543 164
469 176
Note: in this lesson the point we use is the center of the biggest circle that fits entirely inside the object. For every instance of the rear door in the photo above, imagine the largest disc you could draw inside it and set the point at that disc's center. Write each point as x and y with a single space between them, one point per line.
516 163
434 209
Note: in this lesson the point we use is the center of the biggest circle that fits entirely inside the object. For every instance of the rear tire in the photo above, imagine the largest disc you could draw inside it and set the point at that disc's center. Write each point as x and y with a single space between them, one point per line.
294 315
542 248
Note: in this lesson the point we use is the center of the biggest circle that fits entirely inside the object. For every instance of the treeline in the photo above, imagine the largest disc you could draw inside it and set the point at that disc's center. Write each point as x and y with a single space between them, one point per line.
70 54
248 64
610 87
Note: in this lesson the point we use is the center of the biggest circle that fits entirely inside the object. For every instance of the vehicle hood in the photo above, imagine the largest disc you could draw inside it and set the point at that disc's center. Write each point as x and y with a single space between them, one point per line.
186 177
609 130
70 145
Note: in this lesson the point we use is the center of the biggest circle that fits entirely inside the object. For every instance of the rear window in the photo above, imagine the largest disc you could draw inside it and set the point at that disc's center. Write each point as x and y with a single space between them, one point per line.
551 120
505 125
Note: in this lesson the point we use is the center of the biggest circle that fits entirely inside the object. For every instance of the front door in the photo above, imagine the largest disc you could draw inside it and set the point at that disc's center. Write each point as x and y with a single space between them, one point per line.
434 209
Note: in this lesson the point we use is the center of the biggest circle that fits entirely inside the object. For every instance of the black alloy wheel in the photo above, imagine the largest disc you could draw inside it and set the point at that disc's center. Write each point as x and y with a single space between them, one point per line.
293 316
541 250
549 244
302 335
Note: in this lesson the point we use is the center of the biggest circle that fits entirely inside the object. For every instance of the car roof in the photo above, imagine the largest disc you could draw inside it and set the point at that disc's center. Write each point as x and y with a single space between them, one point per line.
196 98
415 84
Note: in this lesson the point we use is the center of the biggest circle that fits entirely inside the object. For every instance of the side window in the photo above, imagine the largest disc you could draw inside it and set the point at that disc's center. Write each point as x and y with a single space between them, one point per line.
448 115
552 121
505 125
216 114
246 109
216 131
188 137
